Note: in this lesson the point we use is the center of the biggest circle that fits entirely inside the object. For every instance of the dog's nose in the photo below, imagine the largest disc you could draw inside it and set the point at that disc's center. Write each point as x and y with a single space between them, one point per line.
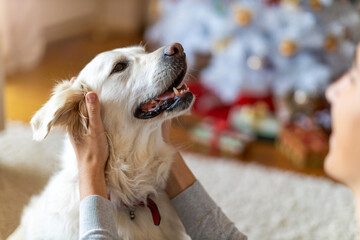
174 50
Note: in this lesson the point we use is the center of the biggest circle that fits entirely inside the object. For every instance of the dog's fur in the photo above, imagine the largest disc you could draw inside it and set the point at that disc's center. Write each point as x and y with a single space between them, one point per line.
139 158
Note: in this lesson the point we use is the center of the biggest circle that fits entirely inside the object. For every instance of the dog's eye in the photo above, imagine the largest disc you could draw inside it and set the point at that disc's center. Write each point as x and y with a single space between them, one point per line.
121 66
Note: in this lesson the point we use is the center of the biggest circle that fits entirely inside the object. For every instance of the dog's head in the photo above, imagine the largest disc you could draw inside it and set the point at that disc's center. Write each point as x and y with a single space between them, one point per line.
133 86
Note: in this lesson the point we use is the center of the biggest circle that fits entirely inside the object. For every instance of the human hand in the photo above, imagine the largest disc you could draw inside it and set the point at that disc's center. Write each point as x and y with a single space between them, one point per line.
92 151
180 177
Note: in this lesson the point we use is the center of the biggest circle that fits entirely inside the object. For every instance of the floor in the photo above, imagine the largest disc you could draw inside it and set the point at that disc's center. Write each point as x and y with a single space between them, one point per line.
26 92
262 152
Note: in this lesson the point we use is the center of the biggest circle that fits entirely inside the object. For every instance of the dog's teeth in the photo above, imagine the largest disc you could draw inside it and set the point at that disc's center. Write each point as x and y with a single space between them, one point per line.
176 91
183 83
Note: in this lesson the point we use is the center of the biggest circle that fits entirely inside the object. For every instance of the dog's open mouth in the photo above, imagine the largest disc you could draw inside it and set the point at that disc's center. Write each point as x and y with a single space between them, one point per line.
176 97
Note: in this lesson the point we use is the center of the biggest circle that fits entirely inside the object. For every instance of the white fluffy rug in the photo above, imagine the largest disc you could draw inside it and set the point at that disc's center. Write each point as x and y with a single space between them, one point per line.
263 202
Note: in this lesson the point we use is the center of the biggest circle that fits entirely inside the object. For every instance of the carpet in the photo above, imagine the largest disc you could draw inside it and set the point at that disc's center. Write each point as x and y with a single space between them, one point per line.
264 203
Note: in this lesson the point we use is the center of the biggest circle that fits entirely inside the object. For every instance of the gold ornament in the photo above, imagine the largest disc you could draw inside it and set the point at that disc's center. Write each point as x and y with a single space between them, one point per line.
294 3
288 48
330 43
221 45
315 4
243 16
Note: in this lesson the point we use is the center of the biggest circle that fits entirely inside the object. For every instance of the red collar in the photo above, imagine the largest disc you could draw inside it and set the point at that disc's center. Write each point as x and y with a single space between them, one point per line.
149 204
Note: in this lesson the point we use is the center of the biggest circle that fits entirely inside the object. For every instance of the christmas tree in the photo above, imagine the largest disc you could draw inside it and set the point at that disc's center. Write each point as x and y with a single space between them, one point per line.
263 46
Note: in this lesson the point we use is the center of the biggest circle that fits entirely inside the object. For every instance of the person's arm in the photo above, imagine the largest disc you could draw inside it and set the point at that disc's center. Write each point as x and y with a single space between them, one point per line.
201 217
96 219
180 177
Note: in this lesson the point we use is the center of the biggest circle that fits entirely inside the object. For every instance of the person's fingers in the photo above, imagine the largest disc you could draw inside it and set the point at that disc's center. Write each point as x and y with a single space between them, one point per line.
72 80
93 108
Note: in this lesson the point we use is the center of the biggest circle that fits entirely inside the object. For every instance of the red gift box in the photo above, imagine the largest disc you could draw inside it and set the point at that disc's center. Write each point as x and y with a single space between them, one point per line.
208 104
305 147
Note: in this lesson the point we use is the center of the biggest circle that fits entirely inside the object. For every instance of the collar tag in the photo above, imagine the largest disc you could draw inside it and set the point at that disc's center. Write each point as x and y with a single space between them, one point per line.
151 205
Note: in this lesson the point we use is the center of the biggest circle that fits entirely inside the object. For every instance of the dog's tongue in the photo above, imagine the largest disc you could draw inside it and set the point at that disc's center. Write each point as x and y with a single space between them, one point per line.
151 105
148 106
166 95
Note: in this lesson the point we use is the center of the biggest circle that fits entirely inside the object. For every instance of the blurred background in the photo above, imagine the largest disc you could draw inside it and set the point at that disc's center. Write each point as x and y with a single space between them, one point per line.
259 68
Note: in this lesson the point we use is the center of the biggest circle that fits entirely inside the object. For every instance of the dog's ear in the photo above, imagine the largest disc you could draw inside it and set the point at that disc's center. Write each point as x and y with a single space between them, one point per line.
66 107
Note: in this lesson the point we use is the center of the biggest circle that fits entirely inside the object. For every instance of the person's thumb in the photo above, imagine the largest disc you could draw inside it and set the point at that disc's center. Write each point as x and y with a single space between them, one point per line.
93 108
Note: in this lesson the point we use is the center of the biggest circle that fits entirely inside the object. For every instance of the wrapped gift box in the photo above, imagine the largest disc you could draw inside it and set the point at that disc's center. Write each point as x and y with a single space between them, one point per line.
215 138
305 147
255 120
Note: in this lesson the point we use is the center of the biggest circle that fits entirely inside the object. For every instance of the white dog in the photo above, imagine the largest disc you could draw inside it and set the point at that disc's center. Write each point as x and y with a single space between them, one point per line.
138 91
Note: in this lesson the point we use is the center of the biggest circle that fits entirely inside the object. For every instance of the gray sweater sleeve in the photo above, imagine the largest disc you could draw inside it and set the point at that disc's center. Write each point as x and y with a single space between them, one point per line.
201 217
97 219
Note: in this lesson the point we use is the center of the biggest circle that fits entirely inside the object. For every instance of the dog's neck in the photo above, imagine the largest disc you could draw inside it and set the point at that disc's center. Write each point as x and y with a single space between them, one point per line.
139 141
139 161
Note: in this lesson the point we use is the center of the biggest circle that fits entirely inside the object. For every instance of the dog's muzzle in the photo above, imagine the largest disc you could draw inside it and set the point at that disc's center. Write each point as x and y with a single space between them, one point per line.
177 96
